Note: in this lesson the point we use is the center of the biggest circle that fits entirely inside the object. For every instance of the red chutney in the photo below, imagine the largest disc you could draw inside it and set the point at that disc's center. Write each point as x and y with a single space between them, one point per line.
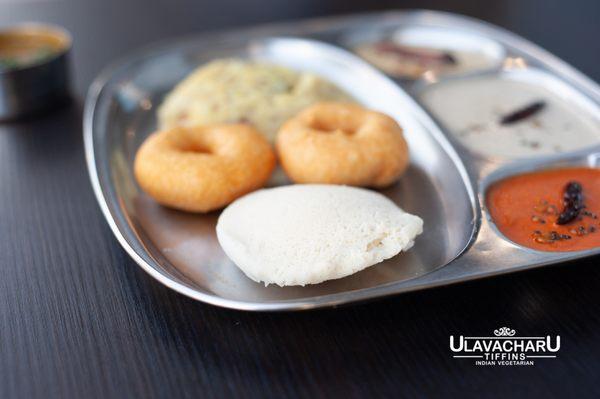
527 207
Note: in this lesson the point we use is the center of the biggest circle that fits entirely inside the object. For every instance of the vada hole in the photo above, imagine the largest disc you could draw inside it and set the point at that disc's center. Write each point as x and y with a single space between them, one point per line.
327 127
197 148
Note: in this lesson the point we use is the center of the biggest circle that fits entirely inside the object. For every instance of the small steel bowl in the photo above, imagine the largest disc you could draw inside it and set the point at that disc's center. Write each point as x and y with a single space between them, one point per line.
33 69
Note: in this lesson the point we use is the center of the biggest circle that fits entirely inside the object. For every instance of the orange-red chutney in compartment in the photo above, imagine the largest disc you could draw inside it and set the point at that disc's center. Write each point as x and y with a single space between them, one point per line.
526 207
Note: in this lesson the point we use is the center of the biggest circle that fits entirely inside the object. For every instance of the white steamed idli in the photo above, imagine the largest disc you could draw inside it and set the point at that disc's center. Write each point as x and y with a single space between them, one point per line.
306 234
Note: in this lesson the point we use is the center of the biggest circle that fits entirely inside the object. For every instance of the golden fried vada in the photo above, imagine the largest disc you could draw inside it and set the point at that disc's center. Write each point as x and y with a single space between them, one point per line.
342 143
203 168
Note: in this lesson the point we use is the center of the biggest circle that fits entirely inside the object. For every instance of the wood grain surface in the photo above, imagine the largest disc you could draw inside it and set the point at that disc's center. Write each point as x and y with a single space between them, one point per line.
78 318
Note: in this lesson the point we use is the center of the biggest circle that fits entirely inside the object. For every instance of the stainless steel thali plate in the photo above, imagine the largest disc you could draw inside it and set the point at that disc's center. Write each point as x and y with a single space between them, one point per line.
443 185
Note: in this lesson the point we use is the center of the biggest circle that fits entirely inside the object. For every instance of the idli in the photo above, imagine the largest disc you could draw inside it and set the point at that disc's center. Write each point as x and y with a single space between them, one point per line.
307 234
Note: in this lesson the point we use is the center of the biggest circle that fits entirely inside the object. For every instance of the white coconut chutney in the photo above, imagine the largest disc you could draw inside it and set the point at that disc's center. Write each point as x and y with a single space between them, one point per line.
472 109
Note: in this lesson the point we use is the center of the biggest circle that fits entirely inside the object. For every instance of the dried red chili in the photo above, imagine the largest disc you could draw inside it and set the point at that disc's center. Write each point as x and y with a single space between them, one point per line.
424 56
572 202
523 113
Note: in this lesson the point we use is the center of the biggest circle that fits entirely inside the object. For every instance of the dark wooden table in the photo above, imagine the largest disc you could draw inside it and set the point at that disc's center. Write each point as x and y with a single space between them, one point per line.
79 319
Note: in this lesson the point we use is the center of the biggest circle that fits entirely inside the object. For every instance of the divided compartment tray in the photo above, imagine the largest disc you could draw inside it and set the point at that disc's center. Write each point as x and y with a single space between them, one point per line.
444 185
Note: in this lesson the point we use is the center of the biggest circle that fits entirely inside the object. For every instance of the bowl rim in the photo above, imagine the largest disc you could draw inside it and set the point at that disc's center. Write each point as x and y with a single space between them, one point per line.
38 28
